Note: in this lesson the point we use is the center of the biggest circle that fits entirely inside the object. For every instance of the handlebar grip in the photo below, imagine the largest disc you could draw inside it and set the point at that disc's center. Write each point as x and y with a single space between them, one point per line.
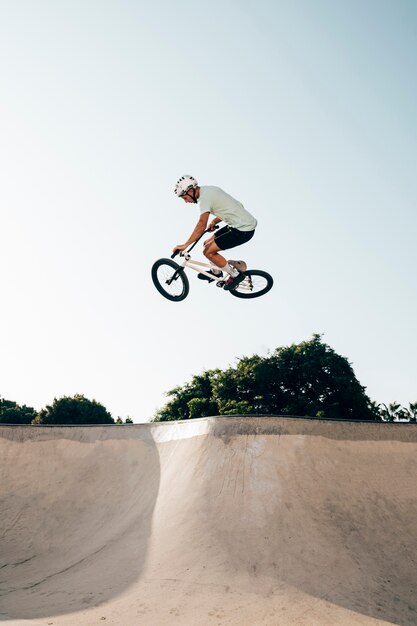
174 255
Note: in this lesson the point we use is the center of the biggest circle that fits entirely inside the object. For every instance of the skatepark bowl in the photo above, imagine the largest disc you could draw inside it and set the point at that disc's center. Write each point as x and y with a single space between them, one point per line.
223 521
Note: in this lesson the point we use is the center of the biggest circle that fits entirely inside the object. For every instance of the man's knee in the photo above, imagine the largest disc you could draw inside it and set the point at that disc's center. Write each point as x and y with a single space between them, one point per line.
209 252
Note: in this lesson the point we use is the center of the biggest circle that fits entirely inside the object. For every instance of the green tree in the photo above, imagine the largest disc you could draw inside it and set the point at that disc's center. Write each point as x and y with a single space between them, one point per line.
412 410
194 399
389 413
309 378
74 410
128 420
236 407
13 413
395 412
238 390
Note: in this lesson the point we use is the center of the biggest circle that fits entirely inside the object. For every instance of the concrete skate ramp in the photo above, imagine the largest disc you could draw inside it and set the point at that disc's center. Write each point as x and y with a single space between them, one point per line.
219 521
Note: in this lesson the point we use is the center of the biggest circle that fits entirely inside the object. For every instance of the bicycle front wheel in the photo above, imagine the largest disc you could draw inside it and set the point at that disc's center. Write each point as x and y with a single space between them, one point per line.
256 284
170 280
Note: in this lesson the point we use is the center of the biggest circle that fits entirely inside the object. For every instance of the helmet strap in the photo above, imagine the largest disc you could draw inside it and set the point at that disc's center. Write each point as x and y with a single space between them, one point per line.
192 195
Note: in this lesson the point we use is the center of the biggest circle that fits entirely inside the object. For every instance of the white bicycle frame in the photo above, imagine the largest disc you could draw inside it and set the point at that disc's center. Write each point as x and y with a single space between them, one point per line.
198 266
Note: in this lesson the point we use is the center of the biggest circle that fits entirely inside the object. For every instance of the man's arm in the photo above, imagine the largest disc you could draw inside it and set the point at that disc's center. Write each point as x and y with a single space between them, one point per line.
197 232
199 229
213 223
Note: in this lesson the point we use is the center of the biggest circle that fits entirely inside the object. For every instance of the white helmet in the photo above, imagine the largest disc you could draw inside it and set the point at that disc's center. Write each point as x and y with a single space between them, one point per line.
184 184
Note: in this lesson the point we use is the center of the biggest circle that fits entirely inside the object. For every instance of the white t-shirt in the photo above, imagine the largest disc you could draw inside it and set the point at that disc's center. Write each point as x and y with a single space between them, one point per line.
223 206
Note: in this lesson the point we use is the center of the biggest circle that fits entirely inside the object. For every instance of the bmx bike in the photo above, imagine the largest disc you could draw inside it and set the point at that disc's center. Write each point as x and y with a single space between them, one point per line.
171 280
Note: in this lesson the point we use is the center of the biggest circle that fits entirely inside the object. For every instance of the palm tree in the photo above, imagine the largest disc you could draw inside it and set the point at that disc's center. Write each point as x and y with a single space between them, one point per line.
390 412
412 410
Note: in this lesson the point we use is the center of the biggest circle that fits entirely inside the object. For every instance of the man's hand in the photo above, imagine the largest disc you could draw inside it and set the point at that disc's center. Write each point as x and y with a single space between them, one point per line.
213 225
179 248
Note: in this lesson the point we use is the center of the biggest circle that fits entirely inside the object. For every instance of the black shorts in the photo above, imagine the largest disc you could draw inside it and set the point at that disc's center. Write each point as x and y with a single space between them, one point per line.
228 237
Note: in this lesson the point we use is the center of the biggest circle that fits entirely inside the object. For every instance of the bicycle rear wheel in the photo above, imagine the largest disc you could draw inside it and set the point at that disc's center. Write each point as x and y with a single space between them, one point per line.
170 280
256 284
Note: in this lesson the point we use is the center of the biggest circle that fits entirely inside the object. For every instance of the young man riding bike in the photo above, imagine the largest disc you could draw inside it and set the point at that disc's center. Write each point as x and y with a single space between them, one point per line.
240 226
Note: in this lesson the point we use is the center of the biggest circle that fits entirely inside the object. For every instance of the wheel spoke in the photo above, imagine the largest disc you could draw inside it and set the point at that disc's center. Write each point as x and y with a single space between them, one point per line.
254 285
165 275
170 280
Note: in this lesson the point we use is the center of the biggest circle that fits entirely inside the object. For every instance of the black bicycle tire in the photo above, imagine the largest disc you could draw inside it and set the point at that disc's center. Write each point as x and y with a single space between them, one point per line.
246 296
181 274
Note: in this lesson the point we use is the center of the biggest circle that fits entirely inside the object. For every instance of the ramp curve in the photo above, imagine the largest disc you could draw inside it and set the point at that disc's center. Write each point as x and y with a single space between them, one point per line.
219 521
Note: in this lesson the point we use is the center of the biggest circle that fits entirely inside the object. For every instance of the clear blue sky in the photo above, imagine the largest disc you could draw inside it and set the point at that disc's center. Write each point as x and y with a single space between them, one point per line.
304 110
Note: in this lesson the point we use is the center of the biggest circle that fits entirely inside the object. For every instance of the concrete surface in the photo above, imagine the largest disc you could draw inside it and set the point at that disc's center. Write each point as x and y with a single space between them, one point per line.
212 522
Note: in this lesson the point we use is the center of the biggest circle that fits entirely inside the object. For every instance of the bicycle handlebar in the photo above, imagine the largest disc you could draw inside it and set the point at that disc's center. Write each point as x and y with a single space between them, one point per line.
195 242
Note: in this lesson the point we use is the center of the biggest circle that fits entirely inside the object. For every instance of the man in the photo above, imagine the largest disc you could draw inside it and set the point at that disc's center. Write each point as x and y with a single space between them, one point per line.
240 225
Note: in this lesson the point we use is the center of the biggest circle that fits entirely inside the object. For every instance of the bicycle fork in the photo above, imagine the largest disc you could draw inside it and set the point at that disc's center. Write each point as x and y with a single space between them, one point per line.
177 271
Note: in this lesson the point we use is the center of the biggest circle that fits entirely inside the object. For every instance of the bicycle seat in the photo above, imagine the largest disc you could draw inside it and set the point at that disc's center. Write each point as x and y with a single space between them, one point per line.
240 266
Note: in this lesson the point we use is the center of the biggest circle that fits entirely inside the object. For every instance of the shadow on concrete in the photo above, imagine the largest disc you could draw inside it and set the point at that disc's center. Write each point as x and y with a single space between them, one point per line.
76 510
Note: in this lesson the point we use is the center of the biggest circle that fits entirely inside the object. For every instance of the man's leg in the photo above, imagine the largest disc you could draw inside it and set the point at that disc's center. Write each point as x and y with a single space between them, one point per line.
211 251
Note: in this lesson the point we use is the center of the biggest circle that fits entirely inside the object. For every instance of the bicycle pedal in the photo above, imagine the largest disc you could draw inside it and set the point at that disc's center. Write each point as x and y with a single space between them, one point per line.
203 277
210 280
